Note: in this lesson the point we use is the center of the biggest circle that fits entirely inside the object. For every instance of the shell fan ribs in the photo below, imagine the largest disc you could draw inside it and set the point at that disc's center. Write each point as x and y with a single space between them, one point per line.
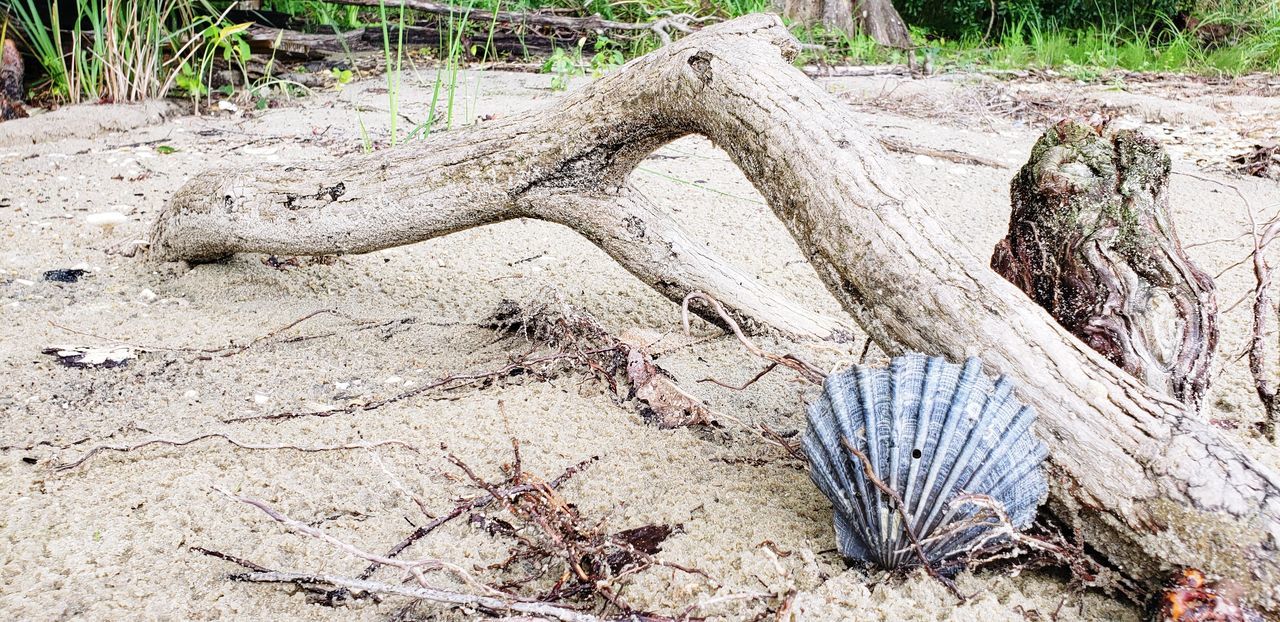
951 443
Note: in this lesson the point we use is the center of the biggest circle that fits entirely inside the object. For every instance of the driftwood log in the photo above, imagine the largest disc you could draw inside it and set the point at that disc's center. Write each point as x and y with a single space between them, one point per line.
486 46
1090 240
664 26
1147 483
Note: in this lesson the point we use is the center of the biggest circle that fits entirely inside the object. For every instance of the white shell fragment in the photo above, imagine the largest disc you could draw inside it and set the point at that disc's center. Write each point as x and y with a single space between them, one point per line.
106 219
939 435
91 356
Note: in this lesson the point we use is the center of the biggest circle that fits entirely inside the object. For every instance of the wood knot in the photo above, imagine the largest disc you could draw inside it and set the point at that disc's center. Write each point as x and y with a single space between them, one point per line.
701 64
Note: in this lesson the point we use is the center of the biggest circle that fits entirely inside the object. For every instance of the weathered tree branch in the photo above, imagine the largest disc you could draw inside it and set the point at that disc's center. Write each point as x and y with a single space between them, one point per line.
663 27
1148 484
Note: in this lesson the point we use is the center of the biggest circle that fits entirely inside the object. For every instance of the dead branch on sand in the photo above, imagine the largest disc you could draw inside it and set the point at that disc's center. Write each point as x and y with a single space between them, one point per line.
807 370
233 349
485 603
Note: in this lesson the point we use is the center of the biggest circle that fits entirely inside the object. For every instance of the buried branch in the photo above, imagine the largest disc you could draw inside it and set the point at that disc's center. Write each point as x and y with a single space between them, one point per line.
1146 482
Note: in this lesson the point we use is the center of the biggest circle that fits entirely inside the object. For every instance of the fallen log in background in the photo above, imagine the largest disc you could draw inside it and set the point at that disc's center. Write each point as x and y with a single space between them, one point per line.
1147 483
663 26
1091 240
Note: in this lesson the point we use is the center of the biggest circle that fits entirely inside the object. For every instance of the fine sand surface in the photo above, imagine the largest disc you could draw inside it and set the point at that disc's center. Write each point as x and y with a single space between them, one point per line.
111 539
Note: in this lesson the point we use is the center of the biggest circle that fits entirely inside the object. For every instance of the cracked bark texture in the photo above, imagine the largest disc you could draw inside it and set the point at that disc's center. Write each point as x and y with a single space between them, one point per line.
1090 240
1148 484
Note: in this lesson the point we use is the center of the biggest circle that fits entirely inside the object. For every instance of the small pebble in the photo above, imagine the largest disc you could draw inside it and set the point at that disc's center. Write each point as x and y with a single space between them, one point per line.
64 275
147 295
260 399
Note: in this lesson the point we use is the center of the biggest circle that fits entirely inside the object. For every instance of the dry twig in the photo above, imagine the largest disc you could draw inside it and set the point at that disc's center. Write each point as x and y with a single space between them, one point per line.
806 370
179 443
907 526
487 603
1259 355
415 568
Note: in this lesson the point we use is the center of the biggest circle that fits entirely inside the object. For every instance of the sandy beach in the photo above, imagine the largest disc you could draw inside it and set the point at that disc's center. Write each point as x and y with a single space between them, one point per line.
112 538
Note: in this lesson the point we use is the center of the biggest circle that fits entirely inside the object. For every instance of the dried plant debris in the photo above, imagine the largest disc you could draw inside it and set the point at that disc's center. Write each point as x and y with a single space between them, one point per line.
558 554
665 403
562 563
583 343
1262 161
285 263
91 356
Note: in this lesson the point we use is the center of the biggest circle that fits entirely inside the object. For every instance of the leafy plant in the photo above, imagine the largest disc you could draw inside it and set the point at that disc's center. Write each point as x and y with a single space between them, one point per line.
563 67
607 57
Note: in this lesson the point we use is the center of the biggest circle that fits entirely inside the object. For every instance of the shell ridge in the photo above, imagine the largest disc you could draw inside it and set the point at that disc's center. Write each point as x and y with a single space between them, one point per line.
867 380
831 420
827 457
907 374
1010 441
936 374
942 449
1001 394
848 396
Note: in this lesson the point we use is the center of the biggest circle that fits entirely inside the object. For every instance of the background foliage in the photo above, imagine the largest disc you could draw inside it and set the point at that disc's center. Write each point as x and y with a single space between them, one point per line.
959 18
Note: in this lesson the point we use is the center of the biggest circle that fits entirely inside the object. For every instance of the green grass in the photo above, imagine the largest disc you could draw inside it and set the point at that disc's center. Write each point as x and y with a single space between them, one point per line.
126 50
1088 53
317 12
114 50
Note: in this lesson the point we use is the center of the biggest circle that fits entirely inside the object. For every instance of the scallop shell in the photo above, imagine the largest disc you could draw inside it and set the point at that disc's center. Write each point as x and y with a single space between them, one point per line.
931 431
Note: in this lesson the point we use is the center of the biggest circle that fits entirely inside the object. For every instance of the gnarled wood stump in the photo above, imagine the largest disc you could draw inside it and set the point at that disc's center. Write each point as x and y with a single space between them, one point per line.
1148 484
1090 240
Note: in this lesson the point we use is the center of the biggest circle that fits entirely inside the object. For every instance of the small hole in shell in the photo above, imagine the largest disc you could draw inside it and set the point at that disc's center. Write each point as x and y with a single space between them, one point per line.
915 453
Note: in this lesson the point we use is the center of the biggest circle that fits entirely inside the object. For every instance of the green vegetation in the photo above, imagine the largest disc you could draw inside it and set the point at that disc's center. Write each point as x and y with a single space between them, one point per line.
316 12
117 50
127 50
1220 42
